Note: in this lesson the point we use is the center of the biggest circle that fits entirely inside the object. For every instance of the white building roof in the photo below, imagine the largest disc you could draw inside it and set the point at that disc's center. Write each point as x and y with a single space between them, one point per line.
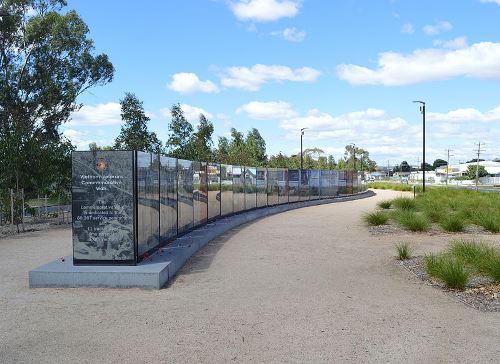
490 166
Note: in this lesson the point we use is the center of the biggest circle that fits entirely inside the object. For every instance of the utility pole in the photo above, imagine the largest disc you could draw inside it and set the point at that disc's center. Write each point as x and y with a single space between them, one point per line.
478 150
422 110
448 165
354 156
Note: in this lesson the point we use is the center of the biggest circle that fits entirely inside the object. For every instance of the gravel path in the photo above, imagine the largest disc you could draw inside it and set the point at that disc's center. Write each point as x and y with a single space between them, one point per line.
308 285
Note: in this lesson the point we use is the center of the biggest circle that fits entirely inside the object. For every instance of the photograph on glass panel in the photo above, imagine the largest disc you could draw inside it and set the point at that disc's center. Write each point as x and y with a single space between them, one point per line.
250 188
147 202
168 198
103 206
238 188
293 185
282 185
261 184
314 184
185 211
214 190
304 186
226 173
200 196
272 186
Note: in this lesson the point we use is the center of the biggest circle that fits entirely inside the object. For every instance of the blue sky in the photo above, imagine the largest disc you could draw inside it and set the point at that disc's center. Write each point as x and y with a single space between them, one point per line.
348 70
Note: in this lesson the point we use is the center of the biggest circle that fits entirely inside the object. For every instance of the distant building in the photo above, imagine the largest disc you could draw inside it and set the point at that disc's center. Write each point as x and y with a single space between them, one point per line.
459 170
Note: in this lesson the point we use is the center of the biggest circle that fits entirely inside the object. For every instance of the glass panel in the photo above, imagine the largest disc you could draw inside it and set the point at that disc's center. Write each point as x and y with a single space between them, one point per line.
342 183
272 186
200 196
238 188
283 185
250 188
226 175
304 185
293 185
214 190
335 183
103 206
147 202
185 195
261 187
168 198
314 184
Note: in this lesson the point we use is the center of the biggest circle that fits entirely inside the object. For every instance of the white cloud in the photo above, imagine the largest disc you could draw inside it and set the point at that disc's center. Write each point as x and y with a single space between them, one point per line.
99 115
291 34
325 126
264 10
272 110
253 78
188 83
439 27
408 28
479 60
457 43
191 113
491 1
81 139
466 115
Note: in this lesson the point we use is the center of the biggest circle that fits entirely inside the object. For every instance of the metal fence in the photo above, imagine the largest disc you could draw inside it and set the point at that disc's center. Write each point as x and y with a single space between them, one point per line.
126 204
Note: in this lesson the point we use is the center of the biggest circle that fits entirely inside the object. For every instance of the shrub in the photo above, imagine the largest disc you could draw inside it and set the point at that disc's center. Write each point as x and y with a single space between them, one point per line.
447 269
404 203
484 259
404 250
375 218
411 220
452 223
489 222
386 204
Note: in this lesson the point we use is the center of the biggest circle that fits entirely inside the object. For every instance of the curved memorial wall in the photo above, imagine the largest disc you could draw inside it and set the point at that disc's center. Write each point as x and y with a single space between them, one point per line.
127 204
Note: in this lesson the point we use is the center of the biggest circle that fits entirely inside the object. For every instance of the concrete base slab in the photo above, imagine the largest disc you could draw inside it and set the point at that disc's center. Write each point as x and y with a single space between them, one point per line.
156 271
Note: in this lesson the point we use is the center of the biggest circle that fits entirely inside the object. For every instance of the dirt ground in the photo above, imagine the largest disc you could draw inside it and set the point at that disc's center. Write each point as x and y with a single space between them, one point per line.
308 285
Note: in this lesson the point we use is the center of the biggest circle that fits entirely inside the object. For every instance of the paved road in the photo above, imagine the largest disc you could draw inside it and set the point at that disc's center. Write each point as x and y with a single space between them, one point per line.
308 285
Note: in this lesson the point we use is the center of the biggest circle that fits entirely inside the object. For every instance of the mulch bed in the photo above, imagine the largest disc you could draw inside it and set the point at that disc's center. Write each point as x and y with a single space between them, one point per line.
481 293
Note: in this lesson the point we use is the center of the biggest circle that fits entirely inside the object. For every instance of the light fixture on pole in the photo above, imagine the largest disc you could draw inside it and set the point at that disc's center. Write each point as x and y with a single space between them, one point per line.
301 154
422 110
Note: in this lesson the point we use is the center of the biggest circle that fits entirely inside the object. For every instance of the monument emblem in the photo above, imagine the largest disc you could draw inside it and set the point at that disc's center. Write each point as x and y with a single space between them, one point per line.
101 164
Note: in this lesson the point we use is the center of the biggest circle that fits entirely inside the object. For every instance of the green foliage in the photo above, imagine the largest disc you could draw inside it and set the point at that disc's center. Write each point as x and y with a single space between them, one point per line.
403 167
200 146
471 171
393 186
375 218
453 209
46 62
134 134
181 133
404 203
439 163
385 204
452 223
448 269
411 220
241 150
404 250
482 258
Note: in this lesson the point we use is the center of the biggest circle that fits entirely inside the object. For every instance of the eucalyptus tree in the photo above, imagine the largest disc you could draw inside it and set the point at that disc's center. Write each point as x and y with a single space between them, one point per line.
46 61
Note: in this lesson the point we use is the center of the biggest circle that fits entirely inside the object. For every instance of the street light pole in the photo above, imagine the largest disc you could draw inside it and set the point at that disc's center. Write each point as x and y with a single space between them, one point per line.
301 154
422 110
